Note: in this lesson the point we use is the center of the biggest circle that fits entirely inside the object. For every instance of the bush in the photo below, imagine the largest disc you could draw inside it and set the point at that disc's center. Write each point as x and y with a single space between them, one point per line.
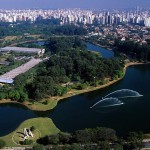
2 144
81 86
27 142
104 145
51 139
118 147
32 128
65 138
38 147
2 96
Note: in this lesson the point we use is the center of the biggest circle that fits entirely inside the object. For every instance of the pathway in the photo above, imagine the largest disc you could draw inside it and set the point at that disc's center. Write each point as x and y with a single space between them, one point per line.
22 69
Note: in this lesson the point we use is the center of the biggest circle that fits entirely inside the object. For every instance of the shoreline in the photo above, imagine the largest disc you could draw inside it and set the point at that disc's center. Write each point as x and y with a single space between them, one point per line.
54 100
105 47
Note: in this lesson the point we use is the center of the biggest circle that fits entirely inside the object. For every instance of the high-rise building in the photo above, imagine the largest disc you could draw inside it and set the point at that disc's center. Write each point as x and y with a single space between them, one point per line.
147 22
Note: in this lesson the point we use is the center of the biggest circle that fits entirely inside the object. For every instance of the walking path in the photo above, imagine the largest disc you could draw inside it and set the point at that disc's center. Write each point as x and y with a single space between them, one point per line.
22 69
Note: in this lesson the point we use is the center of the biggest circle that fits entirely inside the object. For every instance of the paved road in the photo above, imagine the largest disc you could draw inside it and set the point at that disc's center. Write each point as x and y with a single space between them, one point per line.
22 69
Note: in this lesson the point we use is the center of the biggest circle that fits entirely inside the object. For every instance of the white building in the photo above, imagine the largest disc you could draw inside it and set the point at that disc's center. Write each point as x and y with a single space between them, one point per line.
23 50
147 22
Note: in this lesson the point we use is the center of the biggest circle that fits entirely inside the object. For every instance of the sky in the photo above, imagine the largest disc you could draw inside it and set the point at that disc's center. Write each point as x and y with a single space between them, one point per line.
89 4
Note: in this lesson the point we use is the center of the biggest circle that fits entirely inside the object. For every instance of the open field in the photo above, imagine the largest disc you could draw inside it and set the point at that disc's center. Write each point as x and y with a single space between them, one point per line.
10 38
37 106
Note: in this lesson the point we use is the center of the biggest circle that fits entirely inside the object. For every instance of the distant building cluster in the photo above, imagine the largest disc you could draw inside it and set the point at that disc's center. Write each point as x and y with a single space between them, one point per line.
65 15
75 16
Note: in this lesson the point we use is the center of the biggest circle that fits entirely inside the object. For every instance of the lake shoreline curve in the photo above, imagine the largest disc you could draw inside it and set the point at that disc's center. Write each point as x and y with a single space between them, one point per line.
56 99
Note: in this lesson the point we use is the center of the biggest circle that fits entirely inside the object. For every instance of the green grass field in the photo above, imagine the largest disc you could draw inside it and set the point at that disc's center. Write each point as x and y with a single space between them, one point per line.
40 106
37 106
44 126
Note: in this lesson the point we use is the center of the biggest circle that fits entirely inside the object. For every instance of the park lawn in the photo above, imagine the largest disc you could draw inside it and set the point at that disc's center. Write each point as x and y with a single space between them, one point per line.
42 106
10 38
37 106
44 125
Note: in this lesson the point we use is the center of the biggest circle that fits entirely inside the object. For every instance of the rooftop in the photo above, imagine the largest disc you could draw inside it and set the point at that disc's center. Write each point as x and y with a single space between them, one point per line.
9 81
19 49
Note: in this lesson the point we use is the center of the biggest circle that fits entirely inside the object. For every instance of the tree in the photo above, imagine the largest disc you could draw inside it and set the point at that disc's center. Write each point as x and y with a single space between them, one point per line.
17 95
32 128
136 140
104 145
2 143
75 146
69 62
82 136
23 96
38 147
27 142
11 59
11 94
117 147
2 95
105 134
65 137
51 139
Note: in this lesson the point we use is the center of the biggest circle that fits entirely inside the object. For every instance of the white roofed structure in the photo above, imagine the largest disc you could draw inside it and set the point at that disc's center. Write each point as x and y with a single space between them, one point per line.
9 76
23 50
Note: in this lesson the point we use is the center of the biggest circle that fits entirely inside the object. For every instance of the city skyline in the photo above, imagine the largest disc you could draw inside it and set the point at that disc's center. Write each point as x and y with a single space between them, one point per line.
97 4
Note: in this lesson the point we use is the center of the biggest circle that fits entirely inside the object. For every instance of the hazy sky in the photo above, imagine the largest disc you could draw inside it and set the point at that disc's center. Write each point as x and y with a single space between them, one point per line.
73 3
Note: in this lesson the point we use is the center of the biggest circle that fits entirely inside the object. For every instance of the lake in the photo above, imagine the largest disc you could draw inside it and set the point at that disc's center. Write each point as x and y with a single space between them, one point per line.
74 113
105 53
89 46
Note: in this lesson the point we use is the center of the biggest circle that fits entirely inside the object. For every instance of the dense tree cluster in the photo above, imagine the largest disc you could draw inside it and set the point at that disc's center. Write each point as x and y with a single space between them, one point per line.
81 136
13 93
97 139
133 49
69 62
69 30
17 91
2 144
29 45
40 26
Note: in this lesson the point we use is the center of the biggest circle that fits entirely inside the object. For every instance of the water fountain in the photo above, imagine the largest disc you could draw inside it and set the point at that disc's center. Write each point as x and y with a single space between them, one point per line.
111 99
108 102
123 93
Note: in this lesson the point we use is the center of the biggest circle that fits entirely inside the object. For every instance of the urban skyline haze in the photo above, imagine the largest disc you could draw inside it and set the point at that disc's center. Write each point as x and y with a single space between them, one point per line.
86 4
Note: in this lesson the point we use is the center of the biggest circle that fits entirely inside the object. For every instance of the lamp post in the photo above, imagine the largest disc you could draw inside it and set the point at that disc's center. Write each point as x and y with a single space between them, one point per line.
32 76
94 82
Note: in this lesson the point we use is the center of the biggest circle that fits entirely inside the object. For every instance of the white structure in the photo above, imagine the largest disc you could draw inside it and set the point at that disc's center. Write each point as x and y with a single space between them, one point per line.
30 133
23 50
147 22
27 134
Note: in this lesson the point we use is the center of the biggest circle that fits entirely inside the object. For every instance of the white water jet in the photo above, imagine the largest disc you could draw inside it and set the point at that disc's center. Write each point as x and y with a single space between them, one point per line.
112 105
108 102
124 93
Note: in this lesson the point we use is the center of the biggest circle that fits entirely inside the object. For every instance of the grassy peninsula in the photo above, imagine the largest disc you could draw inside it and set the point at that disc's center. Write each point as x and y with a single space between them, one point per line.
43 126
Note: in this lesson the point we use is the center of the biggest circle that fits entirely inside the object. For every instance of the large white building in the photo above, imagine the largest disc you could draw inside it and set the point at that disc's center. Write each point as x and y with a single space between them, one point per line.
147 22
23 50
